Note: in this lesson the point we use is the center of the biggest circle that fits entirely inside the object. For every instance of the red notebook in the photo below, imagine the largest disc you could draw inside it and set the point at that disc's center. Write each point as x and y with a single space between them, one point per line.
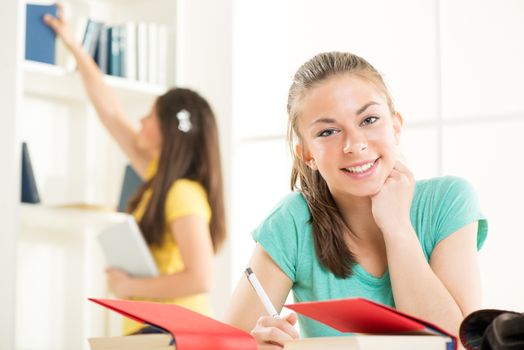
190 330
359 315
193 331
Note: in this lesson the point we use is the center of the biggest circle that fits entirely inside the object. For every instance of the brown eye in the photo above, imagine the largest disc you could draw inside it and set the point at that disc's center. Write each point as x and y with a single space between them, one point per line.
327 132
369 120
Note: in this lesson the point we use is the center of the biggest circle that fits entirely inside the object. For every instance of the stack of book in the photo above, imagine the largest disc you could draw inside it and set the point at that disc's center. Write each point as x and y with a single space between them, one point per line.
373 327
135 51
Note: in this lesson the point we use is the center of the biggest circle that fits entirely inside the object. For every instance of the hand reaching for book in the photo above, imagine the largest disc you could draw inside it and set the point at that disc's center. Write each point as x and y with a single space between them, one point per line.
272 332
61 26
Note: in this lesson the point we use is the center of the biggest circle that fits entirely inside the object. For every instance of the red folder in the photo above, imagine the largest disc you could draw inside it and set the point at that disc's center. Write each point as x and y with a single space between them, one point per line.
359 315
190 330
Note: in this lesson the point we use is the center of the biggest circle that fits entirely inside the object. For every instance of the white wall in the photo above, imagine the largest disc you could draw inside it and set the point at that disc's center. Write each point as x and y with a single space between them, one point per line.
483 112
455 72
204 64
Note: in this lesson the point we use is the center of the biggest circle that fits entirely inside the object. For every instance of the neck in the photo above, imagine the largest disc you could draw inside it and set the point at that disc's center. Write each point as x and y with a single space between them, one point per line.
356 213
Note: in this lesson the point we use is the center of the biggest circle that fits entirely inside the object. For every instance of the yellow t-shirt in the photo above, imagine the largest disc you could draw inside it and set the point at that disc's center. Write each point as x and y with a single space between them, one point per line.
185 197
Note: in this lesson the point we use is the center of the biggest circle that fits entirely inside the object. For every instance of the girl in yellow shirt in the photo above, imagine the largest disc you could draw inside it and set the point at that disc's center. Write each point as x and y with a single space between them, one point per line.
180 207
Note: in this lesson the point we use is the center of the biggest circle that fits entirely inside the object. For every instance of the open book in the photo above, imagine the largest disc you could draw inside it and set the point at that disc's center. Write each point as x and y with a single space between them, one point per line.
379 327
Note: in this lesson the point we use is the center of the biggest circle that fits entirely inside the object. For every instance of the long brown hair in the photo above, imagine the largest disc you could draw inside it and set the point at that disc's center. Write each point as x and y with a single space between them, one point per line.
329 229
193 155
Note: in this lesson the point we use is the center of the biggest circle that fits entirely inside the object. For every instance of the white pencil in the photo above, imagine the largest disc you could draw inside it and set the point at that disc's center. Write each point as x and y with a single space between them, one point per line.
252 278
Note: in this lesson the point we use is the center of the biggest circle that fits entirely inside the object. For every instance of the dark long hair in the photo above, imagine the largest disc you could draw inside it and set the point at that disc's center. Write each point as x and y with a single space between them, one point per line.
329 228
193 155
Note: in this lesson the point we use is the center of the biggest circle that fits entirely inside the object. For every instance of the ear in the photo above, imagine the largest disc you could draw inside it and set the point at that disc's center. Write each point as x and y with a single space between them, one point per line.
304 155
398 121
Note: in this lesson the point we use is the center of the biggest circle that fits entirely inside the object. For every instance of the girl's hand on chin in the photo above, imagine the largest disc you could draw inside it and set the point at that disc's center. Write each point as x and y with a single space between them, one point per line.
391 205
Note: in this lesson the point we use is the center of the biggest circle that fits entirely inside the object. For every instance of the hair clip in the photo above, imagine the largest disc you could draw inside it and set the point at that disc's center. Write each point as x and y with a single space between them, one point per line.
184 121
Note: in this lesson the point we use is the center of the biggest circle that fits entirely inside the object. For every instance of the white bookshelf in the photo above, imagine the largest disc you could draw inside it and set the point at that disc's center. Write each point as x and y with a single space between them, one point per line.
55 82
53 250
57 260
35 216
60 266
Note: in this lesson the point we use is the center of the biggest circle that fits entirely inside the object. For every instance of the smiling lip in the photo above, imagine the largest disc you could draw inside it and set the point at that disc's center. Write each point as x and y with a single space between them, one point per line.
364 174
359 163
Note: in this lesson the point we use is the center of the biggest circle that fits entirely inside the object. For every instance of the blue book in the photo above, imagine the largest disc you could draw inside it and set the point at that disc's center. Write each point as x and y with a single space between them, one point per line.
91 37
102 54
114 51
39 38
123 50
29 192
132 181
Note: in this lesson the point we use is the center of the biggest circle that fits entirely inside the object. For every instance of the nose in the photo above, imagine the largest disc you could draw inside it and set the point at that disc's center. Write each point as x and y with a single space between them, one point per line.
355 142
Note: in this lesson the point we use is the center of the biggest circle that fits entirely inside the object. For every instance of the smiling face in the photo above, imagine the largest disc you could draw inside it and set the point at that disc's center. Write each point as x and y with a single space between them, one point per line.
349 134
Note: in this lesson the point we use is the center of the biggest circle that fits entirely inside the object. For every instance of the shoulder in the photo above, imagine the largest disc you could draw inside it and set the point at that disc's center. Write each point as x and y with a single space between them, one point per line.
186 197
445 187
187 187
292 207
285 231
443 205
287 223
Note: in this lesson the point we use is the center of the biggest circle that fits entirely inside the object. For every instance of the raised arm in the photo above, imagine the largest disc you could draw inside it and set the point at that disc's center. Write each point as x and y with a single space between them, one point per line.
107 105
247 312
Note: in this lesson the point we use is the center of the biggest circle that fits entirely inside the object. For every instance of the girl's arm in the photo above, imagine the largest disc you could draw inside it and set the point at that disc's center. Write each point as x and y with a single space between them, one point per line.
107 105
192 236
442 291
247 312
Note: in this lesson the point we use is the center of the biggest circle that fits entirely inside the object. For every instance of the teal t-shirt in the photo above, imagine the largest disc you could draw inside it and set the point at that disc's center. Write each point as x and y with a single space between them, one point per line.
440 207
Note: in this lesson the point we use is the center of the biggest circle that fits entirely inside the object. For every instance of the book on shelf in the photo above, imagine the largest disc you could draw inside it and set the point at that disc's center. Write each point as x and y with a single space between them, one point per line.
102 50
29 189
40 44
162 56
130 56
142 47
135 51
372 326
91 37
153 60
130 184
114 51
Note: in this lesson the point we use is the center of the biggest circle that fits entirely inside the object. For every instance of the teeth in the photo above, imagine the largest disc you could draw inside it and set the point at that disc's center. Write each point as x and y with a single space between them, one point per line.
361 168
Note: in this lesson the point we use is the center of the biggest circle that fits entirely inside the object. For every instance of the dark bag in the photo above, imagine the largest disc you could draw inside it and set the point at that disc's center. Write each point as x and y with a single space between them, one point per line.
493 330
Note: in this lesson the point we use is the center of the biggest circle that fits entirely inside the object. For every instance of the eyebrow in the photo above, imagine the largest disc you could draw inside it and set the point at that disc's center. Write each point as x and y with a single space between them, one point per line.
331 120
323 120
366 106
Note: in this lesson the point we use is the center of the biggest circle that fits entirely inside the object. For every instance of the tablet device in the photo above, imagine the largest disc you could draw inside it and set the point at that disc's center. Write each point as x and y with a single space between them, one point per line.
125 248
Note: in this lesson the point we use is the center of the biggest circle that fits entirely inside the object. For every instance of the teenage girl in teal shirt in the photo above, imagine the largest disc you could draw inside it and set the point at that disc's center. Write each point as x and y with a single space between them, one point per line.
359 224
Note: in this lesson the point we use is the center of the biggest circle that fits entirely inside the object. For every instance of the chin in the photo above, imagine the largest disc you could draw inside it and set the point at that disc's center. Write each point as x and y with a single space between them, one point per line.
366 190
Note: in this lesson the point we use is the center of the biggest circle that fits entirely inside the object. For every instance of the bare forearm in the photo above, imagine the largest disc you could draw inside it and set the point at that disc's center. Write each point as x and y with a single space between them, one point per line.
181 284
416 288
101 95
